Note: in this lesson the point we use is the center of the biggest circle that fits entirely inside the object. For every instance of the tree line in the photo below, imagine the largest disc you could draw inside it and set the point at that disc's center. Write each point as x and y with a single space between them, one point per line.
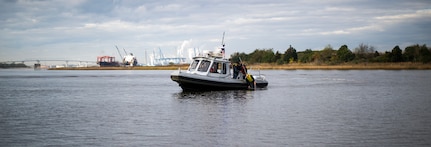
13 65
362 54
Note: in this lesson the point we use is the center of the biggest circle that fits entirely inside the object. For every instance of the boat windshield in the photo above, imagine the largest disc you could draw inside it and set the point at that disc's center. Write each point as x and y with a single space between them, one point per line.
193 65
203 67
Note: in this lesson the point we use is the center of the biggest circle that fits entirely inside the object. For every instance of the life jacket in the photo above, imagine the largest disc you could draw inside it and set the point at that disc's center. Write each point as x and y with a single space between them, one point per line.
249 78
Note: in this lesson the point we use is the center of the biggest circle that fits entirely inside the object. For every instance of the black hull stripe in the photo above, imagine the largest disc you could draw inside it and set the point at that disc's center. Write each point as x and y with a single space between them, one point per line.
187 83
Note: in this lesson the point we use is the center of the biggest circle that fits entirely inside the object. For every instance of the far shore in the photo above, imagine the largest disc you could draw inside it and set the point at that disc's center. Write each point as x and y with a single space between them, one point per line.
293 66
349 66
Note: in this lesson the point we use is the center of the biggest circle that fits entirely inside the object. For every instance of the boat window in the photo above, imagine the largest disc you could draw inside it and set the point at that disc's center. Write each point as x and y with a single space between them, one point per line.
193 65
214 67
224 68
219 68
204 66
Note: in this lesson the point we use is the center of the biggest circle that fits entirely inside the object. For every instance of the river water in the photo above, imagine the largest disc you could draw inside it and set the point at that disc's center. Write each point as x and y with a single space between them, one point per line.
146 108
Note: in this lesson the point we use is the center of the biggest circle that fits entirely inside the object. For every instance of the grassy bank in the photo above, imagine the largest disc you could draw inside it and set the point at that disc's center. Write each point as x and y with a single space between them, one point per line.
294 66
350 66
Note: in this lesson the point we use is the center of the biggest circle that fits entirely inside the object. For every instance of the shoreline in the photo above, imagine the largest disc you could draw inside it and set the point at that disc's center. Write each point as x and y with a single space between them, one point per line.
293 66
170 67
359 66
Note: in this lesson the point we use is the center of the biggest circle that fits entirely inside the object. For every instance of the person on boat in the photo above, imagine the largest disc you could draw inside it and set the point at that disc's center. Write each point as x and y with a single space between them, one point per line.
213 68
243 70
250 81
236 69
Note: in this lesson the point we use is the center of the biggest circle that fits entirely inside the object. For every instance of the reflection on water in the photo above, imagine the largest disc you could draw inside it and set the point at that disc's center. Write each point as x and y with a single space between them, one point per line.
212 116
215 95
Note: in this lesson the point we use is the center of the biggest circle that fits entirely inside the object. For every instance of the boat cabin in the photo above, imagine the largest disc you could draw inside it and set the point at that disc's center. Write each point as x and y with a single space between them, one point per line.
211 65
213 72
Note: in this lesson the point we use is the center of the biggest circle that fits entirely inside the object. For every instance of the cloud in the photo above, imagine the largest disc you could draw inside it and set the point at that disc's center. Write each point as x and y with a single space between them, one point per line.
425 13
45 28
337 32
370 27
339 9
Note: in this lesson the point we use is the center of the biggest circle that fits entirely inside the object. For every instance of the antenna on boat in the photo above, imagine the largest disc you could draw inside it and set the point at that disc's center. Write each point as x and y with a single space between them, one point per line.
222 40
222 48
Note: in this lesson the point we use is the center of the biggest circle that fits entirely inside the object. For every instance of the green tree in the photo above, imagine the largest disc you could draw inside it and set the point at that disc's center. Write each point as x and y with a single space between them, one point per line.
386 57
328 54
261 56
364 52
376 54
257 56
268 56
278 58
396 54
417 53
425 54
411 53
235 57
344 54
306 56
289 54
316 57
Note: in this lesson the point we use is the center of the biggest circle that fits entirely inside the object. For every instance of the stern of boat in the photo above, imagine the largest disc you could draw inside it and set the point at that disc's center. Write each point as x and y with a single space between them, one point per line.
260 81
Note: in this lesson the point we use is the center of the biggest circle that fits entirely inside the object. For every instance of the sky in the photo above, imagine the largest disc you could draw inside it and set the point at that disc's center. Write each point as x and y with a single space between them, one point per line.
85 29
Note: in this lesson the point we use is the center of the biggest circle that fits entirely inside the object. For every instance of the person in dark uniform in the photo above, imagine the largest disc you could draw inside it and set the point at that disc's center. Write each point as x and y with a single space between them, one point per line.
250 81
235 70
243 70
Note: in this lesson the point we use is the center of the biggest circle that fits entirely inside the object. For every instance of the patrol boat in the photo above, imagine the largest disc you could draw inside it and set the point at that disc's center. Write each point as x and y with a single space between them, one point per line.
211 71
